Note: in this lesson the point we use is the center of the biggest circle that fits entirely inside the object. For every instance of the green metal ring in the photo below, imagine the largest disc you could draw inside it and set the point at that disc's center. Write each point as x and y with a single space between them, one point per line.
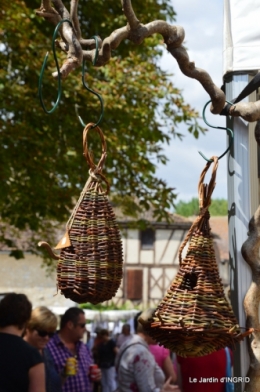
58 70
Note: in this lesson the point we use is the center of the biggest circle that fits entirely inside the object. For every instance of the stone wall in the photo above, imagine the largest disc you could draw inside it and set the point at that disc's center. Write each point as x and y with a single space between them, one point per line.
29 276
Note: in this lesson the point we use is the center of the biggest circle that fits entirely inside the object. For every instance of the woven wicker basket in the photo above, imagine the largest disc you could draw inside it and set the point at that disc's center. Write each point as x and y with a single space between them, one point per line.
90 264
194 318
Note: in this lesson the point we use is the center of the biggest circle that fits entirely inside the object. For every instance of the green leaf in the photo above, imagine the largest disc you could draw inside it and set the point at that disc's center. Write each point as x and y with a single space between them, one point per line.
17 254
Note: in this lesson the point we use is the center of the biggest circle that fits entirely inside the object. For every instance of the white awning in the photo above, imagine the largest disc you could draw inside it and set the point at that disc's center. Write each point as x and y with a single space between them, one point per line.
99 316
241 35
109 315
117 315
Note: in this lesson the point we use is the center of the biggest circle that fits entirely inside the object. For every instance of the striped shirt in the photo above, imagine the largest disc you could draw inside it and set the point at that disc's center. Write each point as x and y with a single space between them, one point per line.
80 382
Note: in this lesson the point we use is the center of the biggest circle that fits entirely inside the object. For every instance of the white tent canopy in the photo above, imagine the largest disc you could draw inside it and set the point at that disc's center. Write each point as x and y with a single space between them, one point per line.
241 36
113 320
110 319
96 315
100 316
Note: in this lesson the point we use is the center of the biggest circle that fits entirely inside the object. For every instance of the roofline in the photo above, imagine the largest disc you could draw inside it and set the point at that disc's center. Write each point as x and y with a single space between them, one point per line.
160 225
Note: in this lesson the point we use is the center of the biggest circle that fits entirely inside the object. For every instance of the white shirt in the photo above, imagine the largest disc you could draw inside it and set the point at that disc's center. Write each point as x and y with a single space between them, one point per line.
137 370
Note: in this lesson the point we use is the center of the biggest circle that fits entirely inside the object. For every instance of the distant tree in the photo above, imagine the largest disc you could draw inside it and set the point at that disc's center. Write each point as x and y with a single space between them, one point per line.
189 208
218 207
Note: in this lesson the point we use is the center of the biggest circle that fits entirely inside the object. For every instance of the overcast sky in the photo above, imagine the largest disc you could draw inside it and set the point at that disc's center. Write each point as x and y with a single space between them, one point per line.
202 21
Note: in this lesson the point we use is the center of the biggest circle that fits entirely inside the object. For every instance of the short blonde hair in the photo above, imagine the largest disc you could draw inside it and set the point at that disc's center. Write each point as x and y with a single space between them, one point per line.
43 319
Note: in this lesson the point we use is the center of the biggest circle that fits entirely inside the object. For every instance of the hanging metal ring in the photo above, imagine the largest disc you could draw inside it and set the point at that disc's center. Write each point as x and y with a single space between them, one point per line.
89 158
92 91
230 134
58 70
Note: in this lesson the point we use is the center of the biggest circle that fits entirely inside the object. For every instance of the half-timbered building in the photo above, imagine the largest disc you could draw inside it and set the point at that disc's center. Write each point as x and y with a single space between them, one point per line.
150 264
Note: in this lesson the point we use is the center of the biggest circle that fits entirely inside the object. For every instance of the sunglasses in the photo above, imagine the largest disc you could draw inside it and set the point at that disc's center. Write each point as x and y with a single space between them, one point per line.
43 334
82 325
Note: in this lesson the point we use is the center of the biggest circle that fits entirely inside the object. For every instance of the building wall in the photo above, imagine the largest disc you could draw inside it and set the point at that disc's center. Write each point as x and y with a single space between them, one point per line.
159 265
28 276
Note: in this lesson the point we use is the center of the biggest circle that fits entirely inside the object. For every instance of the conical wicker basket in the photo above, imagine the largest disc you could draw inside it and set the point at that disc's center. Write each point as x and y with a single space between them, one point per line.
90 264
194 318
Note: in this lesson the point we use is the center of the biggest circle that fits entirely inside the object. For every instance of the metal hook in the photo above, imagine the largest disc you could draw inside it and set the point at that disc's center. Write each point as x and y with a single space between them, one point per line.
92 91
230 132
58 69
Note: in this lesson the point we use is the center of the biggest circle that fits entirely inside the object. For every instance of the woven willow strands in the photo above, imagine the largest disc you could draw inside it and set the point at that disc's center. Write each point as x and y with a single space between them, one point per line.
194 318
90 264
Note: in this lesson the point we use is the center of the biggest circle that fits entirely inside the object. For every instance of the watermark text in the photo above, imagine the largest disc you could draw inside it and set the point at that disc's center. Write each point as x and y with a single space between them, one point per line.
213 380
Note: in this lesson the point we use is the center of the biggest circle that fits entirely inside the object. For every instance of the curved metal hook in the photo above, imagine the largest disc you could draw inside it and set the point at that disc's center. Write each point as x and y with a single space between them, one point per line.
92 91
58 69
96 52
230 132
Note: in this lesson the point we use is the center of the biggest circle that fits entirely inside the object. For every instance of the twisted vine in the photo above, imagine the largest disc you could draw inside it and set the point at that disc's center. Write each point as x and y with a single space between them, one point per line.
75 46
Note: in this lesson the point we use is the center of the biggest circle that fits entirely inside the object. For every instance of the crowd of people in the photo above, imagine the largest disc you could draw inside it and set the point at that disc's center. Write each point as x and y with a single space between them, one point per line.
38 356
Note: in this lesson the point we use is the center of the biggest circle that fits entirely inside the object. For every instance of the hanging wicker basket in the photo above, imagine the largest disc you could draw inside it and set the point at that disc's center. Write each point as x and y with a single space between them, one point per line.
194 318
90 262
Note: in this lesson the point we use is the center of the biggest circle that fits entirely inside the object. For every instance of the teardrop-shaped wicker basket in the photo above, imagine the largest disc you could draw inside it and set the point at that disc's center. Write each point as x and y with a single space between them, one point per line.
194 318
90 264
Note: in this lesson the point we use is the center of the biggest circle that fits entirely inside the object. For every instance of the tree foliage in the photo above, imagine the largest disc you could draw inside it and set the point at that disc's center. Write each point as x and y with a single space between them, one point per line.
218 207
103 306
42 170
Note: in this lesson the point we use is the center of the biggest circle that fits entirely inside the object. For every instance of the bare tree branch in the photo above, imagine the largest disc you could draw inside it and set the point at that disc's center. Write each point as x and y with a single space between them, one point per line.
72 43
91 43
110 43
68 35
74 17
249 111
48 12
188 68
250 252
130 15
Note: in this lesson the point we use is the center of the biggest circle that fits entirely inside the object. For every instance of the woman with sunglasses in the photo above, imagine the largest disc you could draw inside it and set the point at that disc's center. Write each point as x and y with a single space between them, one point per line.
40 328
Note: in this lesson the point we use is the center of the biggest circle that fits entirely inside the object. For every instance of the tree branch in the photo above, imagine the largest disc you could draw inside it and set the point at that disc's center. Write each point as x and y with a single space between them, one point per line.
173 36
130 15
250 252
188 68
74 17
48 12
249 111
